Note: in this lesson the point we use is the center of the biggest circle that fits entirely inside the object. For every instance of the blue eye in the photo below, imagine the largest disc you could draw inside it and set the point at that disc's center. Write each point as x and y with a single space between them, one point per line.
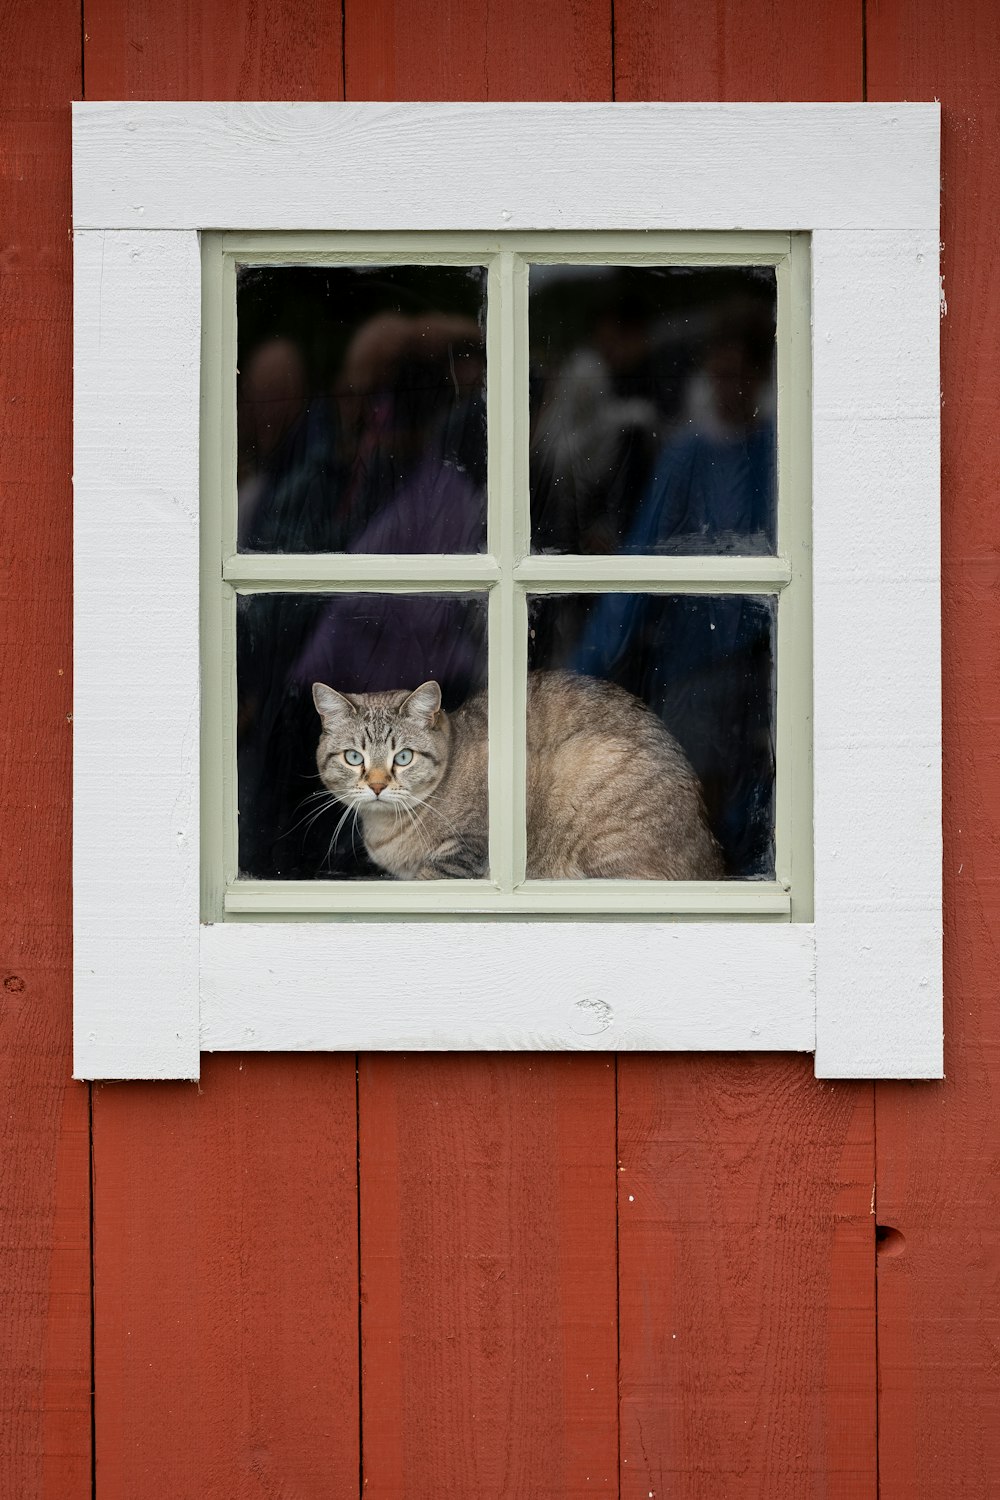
402 757
354 757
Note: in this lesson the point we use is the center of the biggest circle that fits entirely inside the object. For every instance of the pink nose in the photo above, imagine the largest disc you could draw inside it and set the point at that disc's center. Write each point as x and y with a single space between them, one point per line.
378 784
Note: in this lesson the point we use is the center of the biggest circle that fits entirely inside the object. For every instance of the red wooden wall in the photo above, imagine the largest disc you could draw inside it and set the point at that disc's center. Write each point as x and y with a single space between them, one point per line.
490 1276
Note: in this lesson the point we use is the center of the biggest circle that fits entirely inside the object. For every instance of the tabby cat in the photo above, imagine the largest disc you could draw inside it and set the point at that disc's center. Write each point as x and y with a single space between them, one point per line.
610 794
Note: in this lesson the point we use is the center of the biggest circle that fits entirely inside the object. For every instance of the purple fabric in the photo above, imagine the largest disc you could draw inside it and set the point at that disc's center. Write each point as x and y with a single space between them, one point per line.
377 642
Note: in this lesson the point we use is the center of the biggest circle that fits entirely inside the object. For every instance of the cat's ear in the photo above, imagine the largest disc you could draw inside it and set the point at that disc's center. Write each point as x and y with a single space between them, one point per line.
331 705
423 704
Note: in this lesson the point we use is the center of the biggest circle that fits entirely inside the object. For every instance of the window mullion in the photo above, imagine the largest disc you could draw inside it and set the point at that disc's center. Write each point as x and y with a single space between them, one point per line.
507 410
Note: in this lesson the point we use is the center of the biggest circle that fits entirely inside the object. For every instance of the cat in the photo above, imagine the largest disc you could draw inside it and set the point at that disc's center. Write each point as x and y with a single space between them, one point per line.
609 792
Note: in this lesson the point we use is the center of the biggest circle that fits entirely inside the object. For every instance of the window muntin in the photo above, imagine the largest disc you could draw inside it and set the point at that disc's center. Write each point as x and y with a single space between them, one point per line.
513 575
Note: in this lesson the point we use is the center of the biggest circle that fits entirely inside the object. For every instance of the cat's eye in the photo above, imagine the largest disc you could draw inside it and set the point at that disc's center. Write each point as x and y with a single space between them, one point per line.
402 757
354 757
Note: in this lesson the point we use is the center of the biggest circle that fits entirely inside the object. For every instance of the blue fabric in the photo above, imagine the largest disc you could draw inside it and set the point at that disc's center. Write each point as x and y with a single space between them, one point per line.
695 660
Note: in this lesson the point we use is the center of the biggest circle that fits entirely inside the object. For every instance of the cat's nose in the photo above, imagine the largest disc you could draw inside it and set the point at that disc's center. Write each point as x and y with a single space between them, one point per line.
378 782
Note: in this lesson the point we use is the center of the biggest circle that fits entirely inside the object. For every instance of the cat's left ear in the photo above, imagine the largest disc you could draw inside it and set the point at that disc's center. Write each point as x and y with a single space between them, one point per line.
331 705
423 704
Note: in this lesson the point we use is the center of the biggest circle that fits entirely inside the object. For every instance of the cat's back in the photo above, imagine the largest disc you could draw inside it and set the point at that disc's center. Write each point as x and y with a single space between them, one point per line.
566 703
610 792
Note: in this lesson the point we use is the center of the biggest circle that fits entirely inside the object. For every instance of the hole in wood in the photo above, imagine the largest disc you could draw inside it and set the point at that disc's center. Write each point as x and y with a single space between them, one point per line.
888 1241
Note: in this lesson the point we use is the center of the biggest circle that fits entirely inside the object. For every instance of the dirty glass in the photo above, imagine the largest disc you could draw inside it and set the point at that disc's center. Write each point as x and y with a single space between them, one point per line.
361 412
704 665
653 402
302 820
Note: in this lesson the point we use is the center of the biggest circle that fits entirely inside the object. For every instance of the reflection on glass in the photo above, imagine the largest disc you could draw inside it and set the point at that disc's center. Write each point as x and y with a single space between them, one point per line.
361 415
652 409
308 808
704 665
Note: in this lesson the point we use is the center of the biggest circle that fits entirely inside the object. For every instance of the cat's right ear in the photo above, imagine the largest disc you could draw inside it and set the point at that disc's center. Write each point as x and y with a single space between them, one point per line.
331 705
423 704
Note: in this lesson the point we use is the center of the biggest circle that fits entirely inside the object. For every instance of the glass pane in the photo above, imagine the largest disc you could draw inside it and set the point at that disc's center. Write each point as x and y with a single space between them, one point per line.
415 804
652 409
361 411
704 665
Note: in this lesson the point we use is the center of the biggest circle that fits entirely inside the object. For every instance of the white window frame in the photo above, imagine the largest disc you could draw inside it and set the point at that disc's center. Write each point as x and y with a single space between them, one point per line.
860 984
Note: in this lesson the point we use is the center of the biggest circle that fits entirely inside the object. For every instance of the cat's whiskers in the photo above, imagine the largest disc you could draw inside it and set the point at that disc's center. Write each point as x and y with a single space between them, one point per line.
416 826
421 802
312 814
345 800
349 807
403 812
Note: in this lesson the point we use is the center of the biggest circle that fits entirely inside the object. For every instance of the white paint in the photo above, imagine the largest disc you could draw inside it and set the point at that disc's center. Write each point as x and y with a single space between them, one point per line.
506 986
507 166
867 975
135 706
876 625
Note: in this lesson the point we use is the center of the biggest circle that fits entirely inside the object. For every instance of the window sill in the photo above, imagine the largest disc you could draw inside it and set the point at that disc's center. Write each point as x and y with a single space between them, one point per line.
383 898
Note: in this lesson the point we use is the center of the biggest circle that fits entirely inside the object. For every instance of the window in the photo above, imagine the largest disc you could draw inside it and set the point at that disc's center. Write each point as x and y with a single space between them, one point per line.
528 514
485 461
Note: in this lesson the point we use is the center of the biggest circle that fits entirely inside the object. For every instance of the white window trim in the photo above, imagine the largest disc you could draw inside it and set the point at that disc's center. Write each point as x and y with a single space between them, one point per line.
861 984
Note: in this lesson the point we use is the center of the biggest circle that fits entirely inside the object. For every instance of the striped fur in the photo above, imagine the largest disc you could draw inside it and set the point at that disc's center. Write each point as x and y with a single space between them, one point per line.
610 793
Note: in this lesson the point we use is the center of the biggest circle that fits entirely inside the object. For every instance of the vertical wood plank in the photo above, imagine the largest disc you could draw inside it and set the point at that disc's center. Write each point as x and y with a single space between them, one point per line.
479 49
738 49
225 1220
44 1136
225 1248
745 1190
487 1183
747 1280
488 1254
938 1159
221 49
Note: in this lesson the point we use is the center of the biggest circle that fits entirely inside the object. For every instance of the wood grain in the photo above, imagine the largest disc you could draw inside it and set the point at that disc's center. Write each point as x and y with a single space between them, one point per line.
479 49
226 1290
876 736
226 1283
438 166
747 1286
737 49
136 354
524 985
755 1180
489 1319
223 49
709 1138
488 1253
938 1156
44 1140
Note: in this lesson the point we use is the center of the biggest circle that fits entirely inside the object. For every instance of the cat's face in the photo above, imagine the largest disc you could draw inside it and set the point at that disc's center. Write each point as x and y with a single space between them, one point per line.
381 749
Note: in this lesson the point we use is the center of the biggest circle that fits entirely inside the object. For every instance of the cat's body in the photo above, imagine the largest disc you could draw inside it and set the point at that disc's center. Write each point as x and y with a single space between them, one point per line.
610 794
